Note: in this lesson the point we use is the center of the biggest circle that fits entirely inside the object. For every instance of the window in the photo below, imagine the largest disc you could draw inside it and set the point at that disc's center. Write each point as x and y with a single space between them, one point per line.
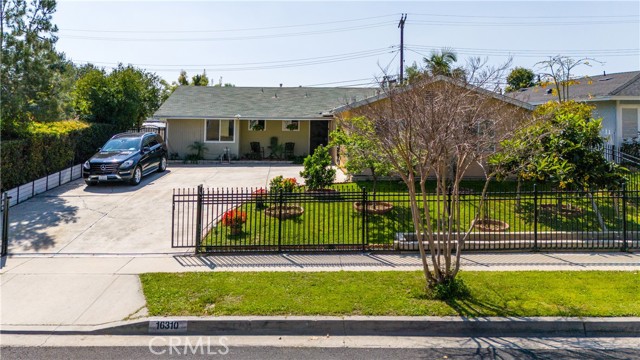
257 125
291 125
219 131
630 126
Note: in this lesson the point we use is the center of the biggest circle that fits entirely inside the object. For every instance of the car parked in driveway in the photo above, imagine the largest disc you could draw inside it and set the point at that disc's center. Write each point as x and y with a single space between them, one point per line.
126 157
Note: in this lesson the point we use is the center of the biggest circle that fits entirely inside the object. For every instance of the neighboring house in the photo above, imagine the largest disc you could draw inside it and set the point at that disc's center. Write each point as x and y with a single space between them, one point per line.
234 117
616 98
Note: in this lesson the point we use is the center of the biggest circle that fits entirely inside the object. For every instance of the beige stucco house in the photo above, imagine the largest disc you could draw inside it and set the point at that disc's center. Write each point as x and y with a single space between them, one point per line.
231 118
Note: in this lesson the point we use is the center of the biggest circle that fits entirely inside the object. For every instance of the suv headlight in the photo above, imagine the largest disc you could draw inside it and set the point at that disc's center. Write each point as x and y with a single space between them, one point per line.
87 165
126 164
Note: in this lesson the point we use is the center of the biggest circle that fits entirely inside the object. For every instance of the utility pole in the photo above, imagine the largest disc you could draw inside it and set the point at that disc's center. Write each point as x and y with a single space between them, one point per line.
401 26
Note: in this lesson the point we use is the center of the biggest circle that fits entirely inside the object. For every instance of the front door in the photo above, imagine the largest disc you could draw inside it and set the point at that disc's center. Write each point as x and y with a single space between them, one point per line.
319 134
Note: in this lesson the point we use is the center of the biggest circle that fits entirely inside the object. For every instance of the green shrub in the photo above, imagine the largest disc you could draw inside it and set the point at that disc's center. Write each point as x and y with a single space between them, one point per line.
450 290
317 172
279 183
47 148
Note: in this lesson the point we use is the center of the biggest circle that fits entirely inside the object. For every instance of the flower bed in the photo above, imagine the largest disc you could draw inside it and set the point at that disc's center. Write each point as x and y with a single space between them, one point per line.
284 212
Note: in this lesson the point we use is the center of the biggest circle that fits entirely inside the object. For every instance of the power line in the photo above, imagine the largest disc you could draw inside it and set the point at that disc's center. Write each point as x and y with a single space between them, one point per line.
233 38
520 24
227 30
267 67
378 51
529 17
529 53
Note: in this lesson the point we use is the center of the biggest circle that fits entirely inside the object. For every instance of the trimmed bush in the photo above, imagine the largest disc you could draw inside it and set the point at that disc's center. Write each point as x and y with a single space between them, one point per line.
49 148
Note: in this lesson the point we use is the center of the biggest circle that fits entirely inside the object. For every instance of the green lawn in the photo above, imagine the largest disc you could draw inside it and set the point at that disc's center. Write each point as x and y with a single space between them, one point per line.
531 293
336 223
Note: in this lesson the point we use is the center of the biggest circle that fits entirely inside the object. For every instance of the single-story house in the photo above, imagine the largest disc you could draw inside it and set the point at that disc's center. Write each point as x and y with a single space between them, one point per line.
509 112
616 98
232 118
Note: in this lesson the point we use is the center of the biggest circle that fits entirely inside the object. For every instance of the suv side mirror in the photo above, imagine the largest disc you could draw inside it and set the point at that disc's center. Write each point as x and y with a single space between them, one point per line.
99 149
146 149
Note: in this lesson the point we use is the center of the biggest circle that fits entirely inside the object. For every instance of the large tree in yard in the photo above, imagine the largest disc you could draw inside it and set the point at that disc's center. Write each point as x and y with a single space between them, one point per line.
439 127
562 148
33 76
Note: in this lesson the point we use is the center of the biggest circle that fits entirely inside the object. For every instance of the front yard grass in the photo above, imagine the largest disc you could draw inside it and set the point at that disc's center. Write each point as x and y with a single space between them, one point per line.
346 293
336 223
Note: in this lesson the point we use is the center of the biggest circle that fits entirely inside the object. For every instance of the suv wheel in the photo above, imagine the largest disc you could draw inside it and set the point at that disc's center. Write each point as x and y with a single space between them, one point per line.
137 176
163 164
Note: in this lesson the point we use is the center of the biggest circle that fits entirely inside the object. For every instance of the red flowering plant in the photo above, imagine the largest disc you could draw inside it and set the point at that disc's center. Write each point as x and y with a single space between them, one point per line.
234 218
279 183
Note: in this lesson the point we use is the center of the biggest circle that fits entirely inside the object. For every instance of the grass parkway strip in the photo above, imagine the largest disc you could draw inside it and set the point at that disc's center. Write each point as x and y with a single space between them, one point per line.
346 293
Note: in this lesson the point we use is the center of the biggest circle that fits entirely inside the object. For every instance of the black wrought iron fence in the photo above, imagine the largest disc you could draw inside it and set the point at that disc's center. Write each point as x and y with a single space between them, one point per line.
348 218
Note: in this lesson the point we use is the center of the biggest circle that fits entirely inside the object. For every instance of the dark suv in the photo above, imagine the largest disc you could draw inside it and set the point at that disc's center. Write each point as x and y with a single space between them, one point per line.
126 157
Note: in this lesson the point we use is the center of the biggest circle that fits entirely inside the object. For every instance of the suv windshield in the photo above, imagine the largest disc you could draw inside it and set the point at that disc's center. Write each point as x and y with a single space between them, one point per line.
122 144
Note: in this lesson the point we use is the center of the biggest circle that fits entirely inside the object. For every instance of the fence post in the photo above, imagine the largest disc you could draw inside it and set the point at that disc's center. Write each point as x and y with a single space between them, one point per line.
625 246
535 217
5 224
280 206
364 219
199 219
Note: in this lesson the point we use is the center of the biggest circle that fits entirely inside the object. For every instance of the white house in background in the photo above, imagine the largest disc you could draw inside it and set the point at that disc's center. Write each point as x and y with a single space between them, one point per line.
616 98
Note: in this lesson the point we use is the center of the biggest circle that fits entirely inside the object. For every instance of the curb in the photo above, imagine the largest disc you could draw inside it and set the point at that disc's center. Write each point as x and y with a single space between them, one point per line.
353 326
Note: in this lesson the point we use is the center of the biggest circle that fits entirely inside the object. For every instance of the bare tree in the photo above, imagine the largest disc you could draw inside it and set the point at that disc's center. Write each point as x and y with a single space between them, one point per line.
438 128
557 72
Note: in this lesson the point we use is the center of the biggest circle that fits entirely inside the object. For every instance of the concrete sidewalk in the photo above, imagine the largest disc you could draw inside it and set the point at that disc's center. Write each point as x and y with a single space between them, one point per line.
51 293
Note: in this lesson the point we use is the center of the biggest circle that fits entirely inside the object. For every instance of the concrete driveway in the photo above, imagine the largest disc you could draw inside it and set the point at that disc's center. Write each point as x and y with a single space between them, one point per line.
119 218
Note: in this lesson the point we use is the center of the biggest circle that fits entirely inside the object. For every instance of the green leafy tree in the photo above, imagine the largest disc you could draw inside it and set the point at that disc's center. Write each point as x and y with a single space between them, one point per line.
317 172
183 79
125 97
200 79
360 151
563 148
33 76
519 78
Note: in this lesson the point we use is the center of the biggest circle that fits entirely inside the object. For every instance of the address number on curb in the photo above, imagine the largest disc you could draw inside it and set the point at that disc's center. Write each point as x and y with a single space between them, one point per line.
167 327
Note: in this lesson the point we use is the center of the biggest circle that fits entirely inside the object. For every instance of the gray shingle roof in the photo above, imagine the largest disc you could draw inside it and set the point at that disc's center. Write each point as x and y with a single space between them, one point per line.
257 102
588 88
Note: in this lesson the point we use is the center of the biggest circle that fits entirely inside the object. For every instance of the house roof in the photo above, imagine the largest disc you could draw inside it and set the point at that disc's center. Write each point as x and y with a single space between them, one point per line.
600 87
436 79
258 102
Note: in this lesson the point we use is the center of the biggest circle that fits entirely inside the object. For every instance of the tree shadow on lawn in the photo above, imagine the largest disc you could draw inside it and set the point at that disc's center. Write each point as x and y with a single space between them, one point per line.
473 307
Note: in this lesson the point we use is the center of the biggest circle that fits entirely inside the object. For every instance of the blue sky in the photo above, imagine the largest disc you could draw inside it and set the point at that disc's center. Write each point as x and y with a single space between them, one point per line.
340 43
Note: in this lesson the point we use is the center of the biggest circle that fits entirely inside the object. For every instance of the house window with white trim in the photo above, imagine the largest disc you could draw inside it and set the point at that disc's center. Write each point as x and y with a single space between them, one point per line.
219 130
291 125
257 125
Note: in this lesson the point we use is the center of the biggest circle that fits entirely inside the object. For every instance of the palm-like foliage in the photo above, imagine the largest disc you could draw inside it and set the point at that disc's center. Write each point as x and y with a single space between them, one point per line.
439 63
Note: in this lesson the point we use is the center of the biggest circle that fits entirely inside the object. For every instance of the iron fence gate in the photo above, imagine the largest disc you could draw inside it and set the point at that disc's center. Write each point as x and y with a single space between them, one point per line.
352 219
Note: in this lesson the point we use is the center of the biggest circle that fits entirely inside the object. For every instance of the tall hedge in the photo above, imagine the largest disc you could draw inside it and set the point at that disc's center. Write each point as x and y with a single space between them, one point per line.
41 153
